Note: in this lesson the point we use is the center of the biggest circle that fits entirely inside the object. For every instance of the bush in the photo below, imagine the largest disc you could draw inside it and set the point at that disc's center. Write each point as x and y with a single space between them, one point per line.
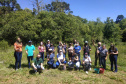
3 45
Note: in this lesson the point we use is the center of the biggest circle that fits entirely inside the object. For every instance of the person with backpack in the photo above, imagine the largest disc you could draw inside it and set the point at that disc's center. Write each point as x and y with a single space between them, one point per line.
113 52
18 53
38 64
41 49
97 55
86 63
30 50
86 49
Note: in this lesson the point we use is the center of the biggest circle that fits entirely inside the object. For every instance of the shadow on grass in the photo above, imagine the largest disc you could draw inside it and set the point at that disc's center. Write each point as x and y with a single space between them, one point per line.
13 66
32 72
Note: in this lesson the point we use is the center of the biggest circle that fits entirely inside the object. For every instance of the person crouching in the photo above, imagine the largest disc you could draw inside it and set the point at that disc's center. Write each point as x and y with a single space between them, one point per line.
86 63
38 64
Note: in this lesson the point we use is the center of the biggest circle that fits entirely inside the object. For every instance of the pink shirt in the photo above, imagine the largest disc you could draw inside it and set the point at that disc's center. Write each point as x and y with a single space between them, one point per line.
41 48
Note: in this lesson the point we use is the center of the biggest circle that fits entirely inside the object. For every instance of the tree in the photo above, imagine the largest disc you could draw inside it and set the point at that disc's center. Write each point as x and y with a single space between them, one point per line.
7 6
119 18
58 6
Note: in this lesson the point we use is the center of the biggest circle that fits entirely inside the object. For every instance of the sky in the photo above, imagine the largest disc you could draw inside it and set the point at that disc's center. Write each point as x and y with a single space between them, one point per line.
89 9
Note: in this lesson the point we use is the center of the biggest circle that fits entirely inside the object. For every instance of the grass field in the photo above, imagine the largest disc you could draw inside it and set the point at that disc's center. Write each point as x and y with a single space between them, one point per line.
56 76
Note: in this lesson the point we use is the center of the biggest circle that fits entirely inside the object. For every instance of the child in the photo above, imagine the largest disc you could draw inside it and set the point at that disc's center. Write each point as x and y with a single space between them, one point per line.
87 63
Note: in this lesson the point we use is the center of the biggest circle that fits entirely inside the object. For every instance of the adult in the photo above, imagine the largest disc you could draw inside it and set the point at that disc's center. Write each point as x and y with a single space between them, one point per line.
47 47
60 47
18 53
77 50
113 51
86 63
97 55
61 60
51 59
65 48
103 54
30 50
41 49
74 42
70 51
86 49
53 48
38 64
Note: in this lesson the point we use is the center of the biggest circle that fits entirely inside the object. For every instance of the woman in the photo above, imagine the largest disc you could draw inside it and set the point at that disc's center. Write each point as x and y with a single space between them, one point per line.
113 57
18 53
70 51
51 59
41 49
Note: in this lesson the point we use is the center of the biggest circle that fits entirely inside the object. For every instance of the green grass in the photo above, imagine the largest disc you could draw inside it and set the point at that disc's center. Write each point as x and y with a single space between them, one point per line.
56 76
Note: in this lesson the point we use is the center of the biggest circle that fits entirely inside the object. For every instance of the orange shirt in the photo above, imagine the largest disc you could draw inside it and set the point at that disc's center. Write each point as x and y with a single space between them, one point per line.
18 46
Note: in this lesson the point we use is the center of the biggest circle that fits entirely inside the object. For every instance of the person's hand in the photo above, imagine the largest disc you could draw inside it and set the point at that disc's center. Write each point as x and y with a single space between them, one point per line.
35 68
105 58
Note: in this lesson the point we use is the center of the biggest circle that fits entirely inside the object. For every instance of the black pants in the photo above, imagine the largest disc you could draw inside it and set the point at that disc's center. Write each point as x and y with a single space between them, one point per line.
103 62
96 58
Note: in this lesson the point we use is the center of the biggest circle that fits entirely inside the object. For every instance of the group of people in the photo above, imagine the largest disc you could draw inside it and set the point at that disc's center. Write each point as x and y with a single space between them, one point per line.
74 50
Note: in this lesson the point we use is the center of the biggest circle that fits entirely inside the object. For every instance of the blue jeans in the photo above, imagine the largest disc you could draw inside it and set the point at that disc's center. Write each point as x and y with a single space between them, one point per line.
79 57
42 55
113 59
29 58
51 64
18 56
103 62
96 58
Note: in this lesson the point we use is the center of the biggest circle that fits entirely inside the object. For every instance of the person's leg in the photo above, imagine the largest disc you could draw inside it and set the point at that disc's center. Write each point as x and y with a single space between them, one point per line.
34 69
111 60
17 60
43 56
99 60
104 62
20 56
29 65
79 58
96 59
115 62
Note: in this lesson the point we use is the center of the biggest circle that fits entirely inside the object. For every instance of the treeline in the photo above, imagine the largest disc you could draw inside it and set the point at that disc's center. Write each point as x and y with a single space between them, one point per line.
58 26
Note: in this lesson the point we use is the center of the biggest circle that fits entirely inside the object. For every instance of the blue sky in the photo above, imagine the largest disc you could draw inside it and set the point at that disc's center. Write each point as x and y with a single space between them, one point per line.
89 9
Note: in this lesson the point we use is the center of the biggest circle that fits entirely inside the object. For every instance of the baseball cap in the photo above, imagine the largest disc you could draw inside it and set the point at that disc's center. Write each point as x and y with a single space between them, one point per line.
86 41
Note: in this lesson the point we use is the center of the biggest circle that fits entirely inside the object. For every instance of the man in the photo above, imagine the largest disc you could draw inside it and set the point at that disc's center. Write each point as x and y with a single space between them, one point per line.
38 64
30 50
103 54
77 50
61 60
97 55
86 49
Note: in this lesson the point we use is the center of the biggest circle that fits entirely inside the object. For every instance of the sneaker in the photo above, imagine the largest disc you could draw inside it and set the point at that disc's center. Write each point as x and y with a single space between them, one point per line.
16 69
86 72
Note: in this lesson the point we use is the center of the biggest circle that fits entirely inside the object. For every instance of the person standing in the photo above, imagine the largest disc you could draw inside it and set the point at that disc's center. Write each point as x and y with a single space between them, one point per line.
18 53
97 55
41 49
70 51
113 51
65 48
103 54
60 47
77 50
47 47
30 50
53 48
86 49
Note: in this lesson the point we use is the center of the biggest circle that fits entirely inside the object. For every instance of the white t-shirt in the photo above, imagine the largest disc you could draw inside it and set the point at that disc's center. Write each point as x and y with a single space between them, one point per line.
87 60
60 57
70 49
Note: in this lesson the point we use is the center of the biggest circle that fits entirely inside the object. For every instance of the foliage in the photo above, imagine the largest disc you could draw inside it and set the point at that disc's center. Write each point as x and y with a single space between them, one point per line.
3 45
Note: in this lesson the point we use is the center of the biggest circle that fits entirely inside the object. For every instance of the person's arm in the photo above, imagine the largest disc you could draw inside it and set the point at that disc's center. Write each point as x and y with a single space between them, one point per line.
41 65
34 66
44 49
106 55
76 58
80 49
54 49
94 44
15 48
89 48
26 50
63 50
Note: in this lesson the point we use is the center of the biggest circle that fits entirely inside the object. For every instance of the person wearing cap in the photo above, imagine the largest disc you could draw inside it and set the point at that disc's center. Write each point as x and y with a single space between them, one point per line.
38 64
77 50
113 54
18 53
41 49
86 49
47 47
97 55
86 63
103 54
30 50
51 59
61 60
